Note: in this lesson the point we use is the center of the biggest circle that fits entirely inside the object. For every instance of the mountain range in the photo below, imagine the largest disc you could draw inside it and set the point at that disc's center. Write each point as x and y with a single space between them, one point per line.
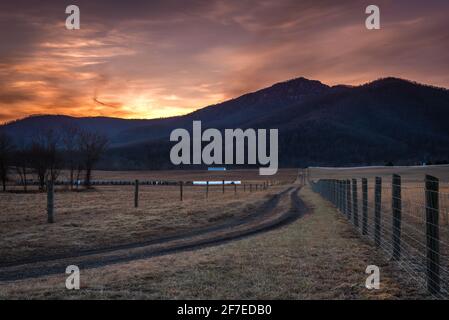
387 120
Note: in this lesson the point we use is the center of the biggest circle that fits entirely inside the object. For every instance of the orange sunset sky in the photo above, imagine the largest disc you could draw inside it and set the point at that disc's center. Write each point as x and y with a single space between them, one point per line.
147 59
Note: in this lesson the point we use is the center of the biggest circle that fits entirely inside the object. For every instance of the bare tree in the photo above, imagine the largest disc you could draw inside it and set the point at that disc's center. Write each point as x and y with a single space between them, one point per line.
92 146
45 157
22 163
6 151
70 136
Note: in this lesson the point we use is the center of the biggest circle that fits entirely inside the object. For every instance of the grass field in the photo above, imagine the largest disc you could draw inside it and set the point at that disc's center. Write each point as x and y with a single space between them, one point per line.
106 216
317 257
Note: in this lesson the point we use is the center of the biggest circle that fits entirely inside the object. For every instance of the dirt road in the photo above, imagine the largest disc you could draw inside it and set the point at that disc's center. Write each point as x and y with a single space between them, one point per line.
268 216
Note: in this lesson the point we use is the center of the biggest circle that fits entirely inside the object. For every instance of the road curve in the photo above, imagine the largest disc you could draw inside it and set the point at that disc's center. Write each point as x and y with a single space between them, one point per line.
265 218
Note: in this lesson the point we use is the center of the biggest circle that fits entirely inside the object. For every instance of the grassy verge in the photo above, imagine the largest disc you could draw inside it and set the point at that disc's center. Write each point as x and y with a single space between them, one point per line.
317 257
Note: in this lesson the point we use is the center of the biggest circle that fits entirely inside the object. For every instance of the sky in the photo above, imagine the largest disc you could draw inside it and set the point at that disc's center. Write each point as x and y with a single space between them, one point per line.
151 59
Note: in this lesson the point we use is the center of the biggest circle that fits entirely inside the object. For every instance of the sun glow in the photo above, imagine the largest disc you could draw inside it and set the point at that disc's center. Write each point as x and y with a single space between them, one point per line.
147 107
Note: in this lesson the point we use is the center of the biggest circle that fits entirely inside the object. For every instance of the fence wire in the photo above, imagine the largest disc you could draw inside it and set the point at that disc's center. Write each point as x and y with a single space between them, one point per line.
407 220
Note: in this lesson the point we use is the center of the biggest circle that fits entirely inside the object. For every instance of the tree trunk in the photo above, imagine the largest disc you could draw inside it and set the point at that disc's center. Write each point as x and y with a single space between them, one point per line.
25 187
88 177
3 176
71 177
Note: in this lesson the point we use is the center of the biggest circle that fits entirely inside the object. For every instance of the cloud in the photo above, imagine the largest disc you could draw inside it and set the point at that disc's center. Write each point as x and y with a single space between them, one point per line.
162 58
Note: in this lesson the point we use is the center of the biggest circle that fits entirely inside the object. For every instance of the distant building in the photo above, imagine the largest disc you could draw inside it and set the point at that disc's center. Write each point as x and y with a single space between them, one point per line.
216 169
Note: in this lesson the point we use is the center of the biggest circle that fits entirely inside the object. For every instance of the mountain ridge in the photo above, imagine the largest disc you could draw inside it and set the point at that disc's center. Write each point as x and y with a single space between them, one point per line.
344 86
388 119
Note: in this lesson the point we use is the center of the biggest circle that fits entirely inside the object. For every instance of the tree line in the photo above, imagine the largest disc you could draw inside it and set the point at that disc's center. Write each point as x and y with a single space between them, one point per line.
45 155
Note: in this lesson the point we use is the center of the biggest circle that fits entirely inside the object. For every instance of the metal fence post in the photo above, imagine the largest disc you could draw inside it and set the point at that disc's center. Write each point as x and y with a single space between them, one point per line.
397 215
136 194
432 234
355 205
207 189
223 186
50 201
377 210
364 206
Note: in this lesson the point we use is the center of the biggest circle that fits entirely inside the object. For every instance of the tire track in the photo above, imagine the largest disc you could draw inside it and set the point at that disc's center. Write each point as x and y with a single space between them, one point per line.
261 221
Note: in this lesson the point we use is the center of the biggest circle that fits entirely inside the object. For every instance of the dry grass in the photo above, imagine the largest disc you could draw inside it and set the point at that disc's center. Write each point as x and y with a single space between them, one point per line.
106 216
317 257
413 221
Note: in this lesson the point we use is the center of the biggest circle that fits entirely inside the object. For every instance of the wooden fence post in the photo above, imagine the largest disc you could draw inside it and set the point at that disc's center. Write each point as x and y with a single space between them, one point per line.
397 215
50 201
432 234
180 189
136 194
364 206
377 210
340 188
340 195
348 199
334 192
355 204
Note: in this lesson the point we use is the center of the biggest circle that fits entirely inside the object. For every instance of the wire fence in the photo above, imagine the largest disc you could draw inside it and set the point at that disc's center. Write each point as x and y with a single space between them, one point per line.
103 196
408 220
